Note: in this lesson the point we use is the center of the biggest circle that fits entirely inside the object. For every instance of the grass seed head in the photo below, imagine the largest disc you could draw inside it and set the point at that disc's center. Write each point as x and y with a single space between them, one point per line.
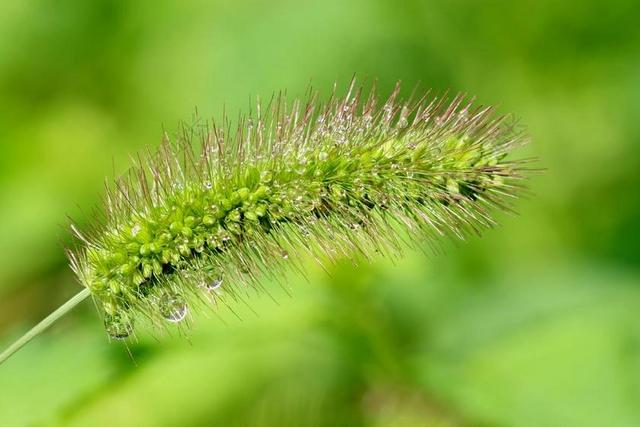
222 207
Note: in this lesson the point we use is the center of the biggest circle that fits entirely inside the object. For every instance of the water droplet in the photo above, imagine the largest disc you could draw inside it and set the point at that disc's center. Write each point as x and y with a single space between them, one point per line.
118 326
285 254
173 307
266 176
214 284
207 185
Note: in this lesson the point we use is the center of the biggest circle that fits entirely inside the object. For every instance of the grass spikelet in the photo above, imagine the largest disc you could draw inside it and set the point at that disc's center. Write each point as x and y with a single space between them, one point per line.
221 207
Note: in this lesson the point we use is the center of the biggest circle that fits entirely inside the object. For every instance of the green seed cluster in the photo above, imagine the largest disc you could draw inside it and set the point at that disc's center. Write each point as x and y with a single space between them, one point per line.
437 182
199 218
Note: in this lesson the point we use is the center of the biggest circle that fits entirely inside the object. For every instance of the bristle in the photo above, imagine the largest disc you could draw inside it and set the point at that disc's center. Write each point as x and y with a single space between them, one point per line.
225 208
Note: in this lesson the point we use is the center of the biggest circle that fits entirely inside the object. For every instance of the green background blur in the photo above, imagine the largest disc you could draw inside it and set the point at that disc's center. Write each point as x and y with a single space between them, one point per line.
536 324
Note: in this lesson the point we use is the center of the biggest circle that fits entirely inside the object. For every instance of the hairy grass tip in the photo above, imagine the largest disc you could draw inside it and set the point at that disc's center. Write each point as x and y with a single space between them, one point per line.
219 207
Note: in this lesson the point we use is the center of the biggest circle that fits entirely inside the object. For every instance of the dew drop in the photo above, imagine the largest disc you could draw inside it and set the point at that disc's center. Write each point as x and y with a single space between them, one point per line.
173 307
285 254
135 230
266 176
118 326
207 185
214 284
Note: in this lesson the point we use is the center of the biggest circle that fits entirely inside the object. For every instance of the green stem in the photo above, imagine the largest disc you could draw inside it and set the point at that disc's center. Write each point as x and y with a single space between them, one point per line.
44 324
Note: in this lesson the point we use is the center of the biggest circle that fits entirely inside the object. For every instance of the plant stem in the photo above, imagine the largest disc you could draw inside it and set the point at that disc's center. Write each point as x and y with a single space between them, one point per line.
44 324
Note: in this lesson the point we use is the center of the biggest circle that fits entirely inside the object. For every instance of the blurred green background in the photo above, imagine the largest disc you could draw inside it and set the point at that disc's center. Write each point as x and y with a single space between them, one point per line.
533 325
